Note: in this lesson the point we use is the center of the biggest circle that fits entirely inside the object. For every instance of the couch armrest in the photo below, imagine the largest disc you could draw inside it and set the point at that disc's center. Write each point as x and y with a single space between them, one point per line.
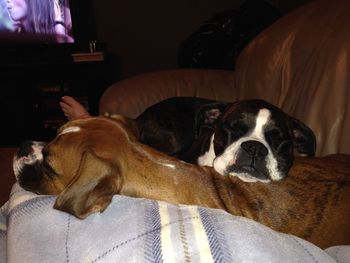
132 96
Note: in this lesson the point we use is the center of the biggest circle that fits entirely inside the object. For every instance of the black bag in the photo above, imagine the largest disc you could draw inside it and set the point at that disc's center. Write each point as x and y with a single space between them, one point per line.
218 42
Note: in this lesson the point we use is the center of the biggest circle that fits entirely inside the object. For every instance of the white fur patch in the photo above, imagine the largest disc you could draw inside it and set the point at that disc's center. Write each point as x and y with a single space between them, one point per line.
169 165
262 118
37 151
208 157
70 129
245 177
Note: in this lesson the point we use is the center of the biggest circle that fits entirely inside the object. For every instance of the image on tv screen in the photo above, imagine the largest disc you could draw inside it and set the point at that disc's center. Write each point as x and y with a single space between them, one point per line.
43 21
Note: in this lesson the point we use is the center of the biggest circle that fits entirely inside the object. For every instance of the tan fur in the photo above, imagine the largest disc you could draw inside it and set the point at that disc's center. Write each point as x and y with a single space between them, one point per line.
104 159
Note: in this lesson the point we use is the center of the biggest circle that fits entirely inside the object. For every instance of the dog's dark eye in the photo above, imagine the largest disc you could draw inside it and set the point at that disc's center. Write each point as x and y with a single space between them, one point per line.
235 129
279 141
227 133
284 147
274 135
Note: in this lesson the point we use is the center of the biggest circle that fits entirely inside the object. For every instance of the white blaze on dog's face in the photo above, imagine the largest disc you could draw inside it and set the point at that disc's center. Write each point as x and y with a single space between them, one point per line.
256 141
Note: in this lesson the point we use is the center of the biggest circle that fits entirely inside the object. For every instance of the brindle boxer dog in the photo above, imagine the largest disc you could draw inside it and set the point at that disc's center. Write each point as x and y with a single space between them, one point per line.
85 165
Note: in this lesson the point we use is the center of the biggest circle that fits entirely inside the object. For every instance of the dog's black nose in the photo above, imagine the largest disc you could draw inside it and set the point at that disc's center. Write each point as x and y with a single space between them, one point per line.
25 149
254 148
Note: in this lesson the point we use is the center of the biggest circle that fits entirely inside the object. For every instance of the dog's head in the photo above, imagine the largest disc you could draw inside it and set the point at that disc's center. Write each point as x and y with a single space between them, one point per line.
257 141
79 165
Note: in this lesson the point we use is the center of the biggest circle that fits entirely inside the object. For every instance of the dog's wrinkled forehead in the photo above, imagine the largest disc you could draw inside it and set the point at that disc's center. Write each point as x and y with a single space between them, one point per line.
250 114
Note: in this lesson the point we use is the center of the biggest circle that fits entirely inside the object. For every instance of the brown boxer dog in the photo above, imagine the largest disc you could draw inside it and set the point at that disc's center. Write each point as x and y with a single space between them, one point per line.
85 166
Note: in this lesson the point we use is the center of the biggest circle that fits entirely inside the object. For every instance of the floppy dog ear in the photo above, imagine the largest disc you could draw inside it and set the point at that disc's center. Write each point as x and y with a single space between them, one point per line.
208 115
304 139
91 189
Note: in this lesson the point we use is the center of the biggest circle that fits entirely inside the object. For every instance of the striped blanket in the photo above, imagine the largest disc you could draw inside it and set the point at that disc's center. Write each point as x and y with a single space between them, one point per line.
140 230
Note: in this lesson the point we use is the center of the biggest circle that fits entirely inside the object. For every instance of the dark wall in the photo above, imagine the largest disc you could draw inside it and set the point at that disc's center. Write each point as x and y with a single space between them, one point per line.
286 6
145 35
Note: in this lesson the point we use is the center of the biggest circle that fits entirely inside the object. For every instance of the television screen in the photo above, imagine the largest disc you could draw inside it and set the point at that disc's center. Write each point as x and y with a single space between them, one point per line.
35 21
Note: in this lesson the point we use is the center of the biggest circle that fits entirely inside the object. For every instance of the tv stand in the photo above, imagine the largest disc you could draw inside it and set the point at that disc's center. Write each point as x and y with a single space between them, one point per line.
30 95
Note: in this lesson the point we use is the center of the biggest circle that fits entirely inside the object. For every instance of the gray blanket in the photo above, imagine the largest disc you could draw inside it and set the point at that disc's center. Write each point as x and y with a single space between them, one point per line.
140 230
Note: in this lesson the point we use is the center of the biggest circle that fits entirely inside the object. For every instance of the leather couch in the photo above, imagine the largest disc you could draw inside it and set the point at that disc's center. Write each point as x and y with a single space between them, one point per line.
301 63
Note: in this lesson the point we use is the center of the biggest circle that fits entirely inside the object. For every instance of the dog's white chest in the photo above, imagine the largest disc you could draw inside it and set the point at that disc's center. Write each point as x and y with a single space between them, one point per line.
209 156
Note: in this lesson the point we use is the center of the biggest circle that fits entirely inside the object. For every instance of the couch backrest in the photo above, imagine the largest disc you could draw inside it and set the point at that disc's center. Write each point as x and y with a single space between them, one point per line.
302 64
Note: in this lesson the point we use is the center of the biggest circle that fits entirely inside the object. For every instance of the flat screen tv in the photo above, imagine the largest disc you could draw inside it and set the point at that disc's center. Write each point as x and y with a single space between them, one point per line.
30 28
36 21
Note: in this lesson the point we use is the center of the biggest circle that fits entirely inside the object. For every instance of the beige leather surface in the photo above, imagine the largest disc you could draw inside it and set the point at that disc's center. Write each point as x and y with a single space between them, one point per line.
301 64
132 96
